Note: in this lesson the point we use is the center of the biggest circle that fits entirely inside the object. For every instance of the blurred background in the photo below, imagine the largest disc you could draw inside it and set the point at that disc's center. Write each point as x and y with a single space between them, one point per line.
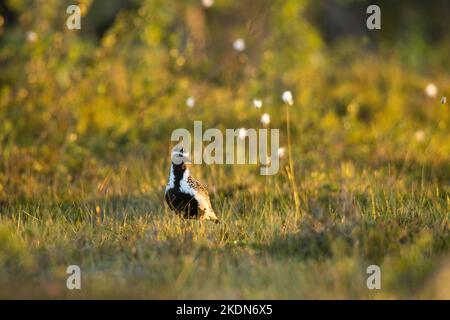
85 123
121 84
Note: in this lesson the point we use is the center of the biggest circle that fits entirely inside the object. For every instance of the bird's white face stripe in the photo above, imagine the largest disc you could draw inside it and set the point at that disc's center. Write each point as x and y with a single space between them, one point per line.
180 154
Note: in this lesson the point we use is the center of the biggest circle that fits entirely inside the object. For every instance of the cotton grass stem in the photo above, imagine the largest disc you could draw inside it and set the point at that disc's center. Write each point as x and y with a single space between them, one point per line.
291 172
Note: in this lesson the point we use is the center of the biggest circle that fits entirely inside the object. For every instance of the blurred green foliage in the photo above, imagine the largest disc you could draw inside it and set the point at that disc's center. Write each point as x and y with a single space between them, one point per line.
85 124
119 85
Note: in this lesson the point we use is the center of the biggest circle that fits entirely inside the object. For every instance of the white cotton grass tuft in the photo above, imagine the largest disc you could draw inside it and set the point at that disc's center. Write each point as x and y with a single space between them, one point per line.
265 119
443 100
287 98
207 3
419 135
242 133
257 103
281 152
32 36
239 44
73 137
431 90
190 102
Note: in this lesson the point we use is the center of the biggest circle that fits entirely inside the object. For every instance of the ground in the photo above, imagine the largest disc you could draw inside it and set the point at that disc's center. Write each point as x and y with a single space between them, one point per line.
129 245
85 128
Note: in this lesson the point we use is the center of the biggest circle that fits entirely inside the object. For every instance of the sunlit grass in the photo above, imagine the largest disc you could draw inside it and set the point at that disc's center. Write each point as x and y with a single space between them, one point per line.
84 158
129 244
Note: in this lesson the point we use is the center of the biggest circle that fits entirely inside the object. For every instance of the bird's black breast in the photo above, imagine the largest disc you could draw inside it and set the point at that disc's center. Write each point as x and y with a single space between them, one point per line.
182 203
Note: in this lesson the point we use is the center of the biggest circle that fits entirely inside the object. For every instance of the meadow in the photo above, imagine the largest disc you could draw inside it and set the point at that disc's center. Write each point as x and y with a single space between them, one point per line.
85 127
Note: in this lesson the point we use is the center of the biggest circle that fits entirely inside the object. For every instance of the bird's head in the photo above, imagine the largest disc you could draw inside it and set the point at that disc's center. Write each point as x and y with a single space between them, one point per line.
179 157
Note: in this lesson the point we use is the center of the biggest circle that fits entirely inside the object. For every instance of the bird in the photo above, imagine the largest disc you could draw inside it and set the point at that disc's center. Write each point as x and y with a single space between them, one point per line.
186 196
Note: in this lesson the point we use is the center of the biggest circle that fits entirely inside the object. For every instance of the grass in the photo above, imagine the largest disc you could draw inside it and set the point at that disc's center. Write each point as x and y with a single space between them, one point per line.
129 245
84 159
